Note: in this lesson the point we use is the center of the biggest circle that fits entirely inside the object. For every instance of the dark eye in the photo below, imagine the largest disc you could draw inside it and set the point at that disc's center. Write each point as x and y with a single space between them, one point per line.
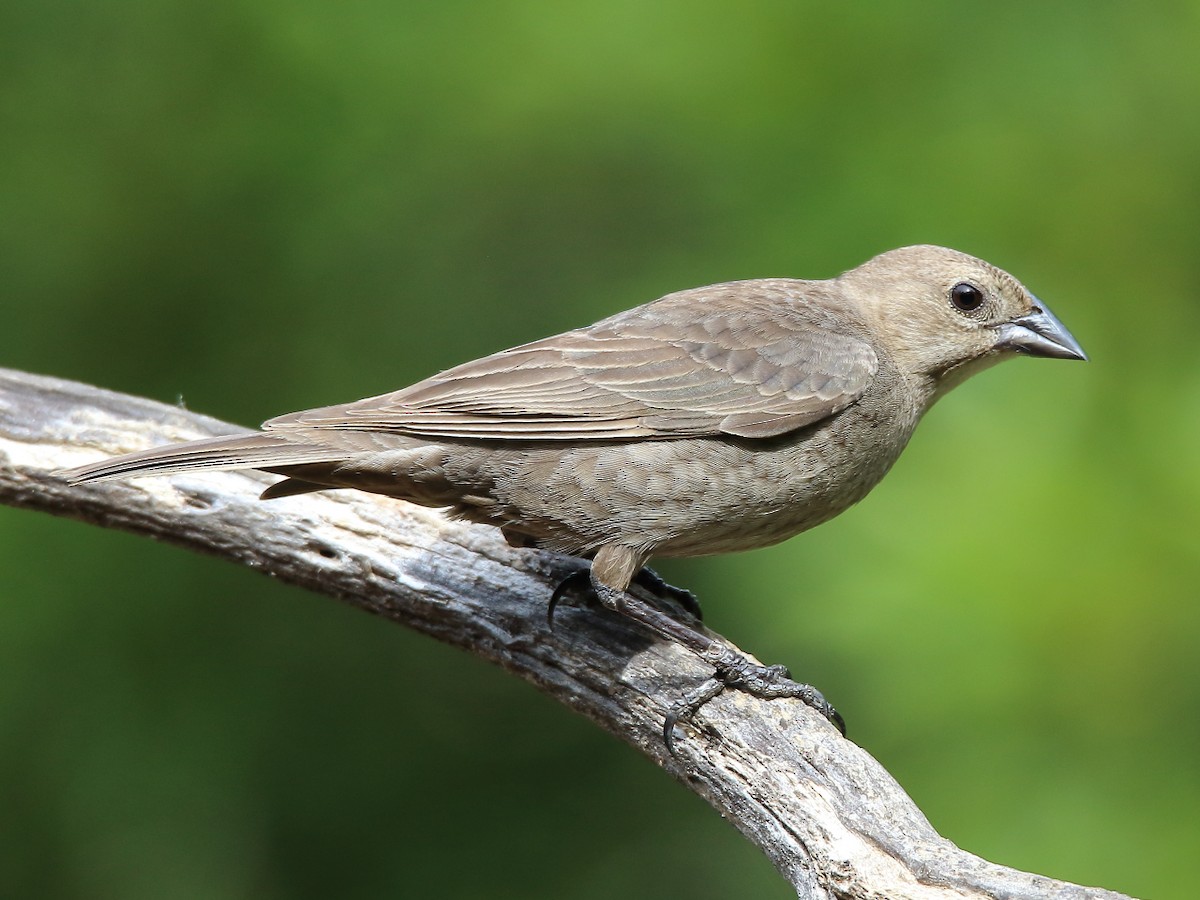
966 297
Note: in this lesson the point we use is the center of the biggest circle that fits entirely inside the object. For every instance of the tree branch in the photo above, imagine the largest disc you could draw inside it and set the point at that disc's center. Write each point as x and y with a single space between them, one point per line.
826 814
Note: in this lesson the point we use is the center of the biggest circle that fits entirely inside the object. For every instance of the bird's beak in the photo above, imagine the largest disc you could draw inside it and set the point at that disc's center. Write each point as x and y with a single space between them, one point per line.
1040 334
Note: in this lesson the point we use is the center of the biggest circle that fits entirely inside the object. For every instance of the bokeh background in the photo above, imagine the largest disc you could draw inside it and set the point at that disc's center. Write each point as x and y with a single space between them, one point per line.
258 206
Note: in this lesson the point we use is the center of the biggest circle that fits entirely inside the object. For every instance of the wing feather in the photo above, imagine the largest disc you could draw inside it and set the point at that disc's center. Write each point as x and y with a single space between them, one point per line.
753 359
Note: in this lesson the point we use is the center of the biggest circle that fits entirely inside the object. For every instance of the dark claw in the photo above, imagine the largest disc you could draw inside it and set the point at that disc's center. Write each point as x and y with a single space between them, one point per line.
687 706
577 579
836 718
653 582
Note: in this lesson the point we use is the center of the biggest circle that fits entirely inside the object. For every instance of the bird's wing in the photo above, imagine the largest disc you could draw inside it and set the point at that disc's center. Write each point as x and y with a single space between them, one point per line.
763 365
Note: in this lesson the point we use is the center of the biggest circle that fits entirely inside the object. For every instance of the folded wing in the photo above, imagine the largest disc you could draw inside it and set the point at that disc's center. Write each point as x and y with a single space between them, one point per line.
673 368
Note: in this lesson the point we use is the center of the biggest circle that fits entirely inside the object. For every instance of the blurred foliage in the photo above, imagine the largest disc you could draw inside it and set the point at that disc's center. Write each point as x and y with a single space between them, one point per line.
263 206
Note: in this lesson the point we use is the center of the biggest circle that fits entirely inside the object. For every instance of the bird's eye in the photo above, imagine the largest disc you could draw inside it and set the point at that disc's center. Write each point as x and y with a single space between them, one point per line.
966 297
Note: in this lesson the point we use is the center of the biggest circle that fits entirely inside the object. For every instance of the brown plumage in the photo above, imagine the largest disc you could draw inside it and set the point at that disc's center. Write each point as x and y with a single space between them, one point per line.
721 418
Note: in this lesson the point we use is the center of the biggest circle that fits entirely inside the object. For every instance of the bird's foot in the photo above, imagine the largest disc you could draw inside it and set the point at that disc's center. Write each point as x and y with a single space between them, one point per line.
733 670
653 582
580 580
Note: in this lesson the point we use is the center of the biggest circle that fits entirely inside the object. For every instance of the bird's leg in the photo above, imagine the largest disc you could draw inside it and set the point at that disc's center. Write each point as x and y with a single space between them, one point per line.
652 581
612 571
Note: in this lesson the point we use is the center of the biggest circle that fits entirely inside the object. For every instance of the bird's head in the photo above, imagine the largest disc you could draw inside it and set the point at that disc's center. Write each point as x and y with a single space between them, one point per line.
944 315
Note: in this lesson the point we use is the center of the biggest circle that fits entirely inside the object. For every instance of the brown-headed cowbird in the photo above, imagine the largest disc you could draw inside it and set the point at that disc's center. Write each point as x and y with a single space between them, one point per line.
721 418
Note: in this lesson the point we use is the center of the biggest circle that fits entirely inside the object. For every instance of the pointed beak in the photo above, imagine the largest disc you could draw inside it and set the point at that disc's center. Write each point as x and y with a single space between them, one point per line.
1040 334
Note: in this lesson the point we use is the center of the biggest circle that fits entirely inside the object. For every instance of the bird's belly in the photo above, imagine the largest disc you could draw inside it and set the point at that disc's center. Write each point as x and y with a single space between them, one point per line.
780 506
690 497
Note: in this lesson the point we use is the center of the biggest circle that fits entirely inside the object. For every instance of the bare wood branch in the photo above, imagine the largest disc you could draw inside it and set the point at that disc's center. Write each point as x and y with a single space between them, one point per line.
826 814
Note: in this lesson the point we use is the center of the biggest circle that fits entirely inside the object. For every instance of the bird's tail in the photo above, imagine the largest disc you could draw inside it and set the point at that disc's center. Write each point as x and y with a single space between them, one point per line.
243 451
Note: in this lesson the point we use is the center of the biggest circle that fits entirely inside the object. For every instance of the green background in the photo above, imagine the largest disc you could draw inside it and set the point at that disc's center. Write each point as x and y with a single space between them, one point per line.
261 206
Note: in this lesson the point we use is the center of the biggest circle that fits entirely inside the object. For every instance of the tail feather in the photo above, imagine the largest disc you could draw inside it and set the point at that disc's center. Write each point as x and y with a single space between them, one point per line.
243 451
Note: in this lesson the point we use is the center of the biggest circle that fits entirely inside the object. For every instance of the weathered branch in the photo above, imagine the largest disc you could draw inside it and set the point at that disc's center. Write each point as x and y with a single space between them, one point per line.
829 817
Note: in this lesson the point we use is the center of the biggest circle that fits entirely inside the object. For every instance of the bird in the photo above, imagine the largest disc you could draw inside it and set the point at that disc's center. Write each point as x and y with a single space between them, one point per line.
717 419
